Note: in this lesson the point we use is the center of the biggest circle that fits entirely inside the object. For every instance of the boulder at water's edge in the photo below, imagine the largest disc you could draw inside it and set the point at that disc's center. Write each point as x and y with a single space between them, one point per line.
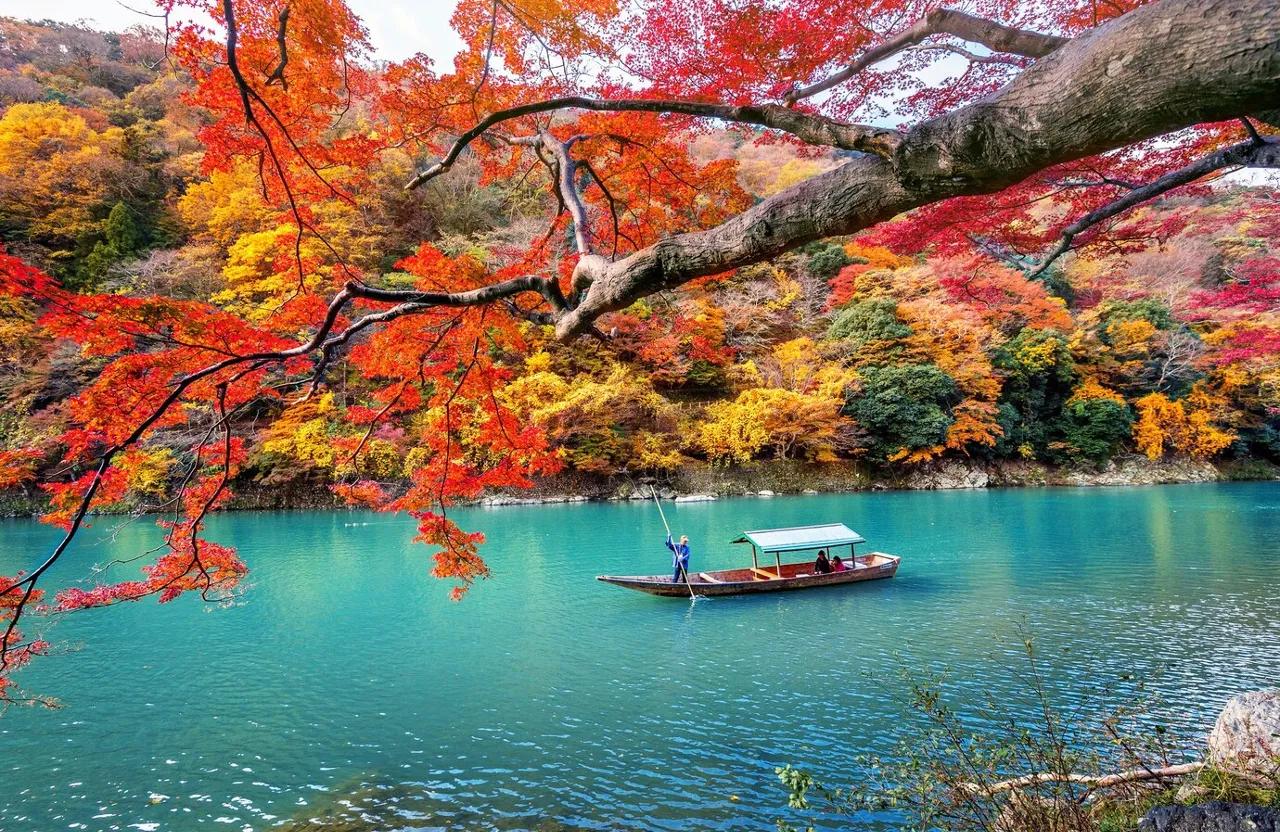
1246 736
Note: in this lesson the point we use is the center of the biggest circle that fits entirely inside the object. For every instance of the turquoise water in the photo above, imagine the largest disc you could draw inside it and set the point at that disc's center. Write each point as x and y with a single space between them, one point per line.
547 700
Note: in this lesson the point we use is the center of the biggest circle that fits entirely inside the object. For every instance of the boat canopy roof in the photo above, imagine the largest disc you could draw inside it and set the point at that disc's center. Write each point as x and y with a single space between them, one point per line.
801 537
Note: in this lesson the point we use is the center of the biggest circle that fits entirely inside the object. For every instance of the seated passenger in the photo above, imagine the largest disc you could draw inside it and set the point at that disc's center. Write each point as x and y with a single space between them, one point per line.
822 566
837 565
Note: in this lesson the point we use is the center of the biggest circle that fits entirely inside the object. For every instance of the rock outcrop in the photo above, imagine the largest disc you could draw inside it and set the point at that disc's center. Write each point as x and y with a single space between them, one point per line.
945 476
1246 737
1212 817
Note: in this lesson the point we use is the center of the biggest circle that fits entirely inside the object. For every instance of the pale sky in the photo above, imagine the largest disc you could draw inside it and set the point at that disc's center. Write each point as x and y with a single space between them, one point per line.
397 28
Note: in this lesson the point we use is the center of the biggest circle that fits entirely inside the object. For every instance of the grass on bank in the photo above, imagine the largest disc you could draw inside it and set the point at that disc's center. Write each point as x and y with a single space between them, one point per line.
1024 762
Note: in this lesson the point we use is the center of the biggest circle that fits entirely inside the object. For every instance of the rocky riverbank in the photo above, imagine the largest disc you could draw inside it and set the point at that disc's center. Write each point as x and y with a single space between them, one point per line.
766 479
792 477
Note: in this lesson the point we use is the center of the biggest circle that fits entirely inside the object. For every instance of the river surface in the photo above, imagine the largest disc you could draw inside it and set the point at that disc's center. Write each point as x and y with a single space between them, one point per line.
345 687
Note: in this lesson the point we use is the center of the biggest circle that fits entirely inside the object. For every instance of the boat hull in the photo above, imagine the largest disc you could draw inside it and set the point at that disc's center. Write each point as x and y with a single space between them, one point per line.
794 576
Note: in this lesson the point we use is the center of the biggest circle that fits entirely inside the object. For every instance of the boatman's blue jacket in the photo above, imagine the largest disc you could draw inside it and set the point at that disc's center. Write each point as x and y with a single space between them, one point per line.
679 558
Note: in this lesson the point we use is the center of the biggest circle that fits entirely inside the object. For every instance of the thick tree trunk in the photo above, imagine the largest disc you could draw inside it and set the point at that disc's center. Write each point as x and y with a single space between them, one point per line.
1163 67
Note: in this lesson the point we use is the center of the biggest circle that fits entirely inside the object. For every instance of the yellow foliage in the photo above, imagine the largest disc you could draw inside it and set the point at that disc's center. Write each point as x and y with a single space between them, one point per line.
226 205
1184 427
1091 389
1232 378
597 424
537 395
55 169
538 362
262 270
1038 357
656 451
417 457
732 432
148 471
378 460
34 135
266 261
767 178
1129 337
302 432
877 257
788 288
787 420
798 366
18 330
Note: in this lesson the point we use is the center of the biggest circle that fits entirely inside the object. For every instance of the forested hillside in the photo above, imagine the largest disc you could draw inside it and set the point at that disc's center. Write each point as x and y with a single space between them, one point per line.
892 347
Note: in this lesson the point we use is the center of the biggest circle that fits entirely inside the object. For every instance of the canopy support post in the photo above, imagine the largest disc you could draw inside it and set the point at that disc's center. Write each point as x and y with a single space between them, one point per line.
778 557
754 562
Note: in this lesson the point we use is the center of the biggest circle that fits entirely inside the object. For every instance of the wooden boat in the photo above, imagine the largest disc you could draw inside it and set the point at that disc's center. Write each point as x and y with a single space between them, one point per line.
776 576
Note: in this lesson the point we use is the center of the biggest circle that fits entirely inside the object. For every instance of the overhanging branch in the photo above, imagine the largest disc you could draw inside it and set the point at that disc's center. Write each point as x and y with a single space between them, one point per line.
1160 68
808 127
995 36
277 74
1256 153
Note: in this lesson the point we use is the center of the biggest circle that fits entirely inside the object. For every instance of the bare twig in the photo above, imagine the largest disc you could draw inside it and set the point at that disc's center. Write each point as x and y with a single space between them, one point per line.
995 36
1260 154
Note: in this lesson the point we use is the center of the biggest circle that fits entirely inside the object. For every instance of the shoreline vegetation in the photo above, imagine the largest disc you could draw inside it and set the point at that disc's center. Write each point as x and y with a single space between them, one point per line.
698 483
1109 763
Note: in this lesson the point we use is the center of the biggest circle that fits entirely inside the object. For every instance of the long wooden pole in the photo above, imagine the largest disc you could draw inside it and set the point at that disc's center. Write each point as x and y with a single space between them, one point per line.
683 570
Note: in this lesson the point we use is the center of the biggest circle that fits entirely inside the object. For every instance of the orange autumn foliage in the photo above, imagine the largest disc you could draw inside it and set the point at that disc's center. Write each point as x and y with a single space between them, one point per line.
1180 426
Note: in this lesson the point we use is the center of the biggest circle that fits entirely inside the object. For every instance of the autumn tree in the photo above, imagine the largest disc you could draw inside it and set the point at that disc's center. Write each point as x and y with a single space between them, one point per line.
1184 427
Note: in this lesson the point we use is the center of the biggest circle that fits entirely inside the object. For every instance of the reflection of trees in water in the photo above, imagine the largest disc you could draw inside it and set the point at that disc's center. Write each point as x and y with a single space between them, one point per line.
362 804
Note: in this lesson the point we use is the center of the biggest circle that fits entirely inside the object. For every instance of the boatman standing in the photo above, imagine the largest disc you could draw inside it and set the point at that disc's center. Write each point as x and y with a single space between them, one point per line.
679 558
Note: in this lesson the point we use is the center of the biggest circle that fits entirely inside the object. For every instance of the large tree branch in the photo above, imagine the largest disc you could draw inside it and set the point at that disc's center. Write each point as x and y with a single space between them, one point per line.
995 36
1256 154
808 127
277 74
567 172
1163 67
475 297
1094 781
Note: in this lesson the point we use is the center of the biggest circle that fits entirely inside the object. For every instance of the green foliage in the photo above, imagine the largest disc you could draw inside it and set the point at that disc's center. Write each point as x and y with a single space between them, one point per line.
1261 440
870 320
123 236
826 261
1092 429
705 375
1055 281
123 240
1039 374
1152 311
904 407
1250 470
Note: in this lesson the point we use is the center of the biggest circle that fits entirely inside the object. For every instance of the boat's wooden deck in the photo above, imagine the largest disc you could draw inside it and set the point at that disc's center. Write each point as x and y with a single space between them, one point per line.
770 573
